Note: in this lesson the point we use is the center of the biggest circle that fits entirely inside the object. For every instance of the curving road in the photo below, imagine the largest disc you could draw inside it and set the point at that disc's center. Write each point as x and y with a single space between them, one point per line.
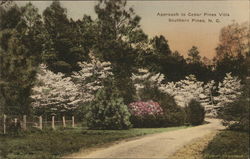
159 145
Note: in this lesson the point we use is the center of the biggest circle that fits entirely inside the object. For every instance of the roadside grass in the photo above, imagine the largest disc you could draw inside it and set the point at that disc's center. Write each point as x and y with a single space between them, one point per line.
50 144
228 145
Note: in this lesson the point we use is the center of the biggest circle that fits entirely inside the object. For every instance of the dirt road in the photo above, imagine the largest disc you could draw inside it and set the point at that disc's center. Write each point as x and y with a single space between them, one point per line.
160 145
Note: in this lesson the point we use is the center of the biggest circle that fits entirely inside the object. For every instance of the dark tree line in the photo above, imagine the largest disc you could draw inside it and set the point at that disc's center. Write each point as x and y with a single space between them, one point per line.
28 39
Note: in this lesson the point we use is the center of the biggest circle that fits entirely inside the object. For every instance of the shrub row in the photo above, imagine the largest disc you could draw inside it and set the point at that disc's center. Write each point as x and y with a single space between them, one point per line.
108 111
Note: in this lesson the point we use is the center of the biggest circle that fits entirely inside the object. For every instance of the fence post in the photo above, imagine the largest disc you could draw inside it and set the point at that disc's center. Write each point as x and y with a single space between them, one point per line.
24 122
40 122
4 124
15 121
64 123
73 121
53 122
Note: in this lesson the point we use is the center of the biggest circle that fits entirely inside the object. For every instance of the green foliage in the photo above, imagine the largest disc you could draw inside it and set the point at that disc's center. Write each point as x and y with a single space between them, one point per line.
173 114
20 50
193 55
108 111
195 113
160 46
232 53
175 117
119 41
64 45
228 145
48 144
236 114
10 18
238 65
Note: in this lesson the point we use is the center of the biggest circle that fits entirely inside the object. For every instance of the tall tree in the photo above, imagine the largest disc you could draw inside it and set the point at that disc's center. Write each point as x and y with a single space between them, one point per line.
196 66
160 45
193 55
232 53
119 38
10 17
159 58
63 47
233 40
20 50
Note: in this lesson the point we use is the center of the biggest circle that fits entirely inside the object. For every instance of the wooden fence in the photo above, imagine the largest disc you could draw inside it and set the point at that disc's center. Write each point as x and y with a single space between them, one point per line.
35 122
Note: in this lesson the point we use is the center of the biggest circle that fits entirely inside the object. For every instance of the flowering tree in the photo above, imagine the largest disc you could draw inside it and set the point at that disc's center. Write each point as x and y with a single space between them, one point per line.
54 92
187 89
90 78
229 90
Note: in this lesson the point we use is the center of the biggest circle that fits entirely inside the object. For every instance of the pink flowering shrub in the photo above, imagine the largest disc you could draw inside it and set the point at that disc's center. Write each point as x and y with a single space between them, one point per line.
145 108
146 114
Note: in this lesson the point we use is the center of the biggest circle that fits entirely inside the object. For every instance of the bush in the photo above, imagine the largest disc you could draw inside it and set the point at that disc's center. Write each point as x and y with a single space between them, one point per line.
195 113
173 115
146 114
108 111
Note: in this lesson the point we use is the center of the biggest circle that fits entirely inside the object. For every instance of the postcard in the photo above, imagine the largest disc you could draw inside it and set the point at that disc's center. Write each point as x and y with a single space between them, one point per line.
163 79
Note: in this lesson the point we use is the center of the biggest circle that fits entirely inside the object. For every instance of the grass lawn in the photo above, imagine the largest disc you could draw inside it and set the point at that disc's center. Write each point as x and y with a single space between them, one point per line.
50 144
228 145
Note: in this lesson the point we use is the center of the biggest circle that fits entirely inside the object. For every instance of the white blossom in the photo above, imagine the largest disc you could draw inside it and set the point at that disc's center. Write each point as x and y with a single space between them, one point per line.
184 91
54 91
229 90
90 78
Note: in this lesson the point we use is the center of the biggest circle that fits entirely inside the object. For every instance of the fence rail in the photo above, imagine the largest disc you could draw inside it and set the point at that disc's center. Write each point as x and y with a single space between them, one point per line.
25 123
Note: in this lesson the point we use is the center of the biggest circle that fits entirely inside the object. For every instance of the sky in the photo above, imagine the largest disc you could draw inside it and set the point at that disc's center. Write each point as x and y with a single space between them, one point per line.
182 31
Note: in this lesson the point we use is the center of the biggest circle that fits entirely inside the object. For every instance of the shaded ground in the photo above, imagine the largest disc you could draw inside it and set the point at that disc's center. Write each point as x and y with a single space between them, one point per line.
47 144
228 144
160 145
194 150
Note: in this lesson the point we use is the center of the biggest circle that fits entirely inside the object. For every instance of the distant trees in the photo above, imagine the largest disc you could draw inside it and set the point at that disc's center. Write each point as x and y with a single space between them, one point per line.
234 41
232 53
160 46
193 55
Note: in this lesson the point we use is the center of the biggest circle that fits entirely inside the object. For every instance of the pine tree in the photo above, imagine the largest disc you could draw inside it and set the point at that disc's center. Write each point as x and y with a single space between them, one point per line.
119 40
146 81
64 45
20 50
